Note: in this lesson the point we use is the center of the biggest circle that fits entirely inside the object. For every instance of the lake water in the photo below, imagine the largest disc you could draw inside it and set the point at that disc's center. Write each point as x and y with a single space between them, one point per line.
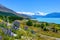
50 20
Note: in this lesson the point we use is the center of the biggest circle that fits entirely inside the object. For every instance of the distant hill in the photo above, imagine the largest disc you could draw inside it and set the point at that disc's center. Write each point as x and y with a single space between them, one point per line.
53 15
50 15
8 12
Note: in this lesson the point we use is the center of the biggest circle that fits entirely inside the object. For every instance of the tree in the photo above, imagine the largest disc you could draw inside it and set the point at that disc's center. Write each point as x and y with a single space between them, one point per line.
12 18
36 25
47 24
29 23
46 29
42 25
55 28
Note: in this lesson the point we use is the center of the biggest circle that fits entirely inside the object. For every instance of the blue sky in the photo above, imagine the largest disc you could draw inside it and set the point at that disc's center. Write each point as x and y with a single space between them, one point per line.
44 6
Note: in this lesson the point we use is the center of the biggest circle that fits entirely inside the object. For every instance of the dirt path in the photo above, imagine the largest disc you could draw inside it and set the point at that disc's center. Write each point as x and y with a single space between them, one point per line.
45 36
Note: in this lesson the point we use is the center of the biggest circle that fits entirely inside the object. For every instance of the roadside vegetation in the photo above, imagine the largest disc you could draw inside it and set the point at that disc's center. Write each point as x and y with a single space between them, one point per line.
18 28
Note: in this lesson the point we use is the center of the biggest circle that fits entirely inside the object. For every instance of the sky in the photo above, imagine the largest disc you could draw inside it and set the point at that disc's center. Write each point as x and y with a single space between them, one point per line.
32 6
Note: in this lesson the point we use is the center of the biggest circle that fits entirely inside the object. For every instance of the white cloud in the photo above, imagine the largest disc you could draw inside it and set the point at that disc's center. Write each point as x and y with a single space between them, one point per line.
41 13
27 13
30 13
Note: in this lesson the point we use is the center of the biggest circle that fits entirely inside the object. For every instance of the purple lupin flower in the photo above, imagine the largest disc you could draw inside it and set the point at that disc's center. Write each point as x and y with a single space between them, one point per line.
0 37
26 27
33 32
16 25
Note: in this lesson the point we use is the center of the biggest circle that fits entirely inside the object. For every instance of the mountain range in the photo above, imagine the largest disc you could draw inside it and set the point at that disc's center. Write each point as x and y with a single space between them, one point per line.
53 15
50 15
8 12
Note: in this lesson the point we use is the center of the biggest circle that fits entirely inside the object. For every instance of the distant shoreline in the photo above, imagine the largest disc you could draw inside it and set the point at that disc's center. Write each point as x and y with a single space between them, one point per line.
49 20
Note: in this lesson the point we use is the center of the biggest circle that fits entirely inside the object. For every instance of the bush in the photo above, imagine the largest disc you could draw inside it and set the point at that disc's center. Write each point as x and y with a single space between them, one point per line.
29 23
36 25
33 32
12 18
45 29
47 24
54 30
42 25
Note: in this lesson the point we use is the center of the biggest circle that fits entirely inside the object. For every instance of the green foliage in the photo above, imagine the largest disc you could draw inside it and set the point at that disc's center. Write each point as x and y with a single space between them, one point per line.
29 23
55 28
45 29
7 14
26 33
3 25
6 37
47 24
36 25
12 18
42 25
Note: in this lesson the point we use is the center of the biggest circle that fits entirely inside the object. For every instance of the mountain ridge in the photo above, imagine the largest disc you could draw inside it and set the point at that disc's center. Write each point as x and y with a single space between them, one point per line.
8 12
50 15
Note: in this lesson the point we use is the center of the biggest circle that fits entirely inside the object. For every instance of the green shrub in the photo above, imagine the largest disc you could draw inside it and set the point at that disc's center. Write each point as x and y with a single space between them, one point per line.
42 25
29 23
45 29
36 25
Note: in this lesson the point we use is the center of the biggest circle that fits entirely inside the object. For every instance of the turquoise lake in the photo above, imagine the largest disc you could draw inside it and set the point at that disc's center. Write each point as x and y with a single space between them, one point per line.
49 20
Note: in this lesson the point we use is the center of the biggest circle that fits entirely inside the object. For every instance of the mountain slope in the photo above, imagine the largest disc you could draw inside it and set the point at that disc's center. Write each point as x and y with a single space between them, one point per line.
6 11
50 15
6 14
53 15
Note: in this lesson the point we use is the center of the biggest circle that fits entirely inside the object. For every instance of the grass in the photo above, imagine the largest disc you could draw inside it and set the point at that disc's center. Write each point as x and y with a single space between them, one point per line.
40 31
28 35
